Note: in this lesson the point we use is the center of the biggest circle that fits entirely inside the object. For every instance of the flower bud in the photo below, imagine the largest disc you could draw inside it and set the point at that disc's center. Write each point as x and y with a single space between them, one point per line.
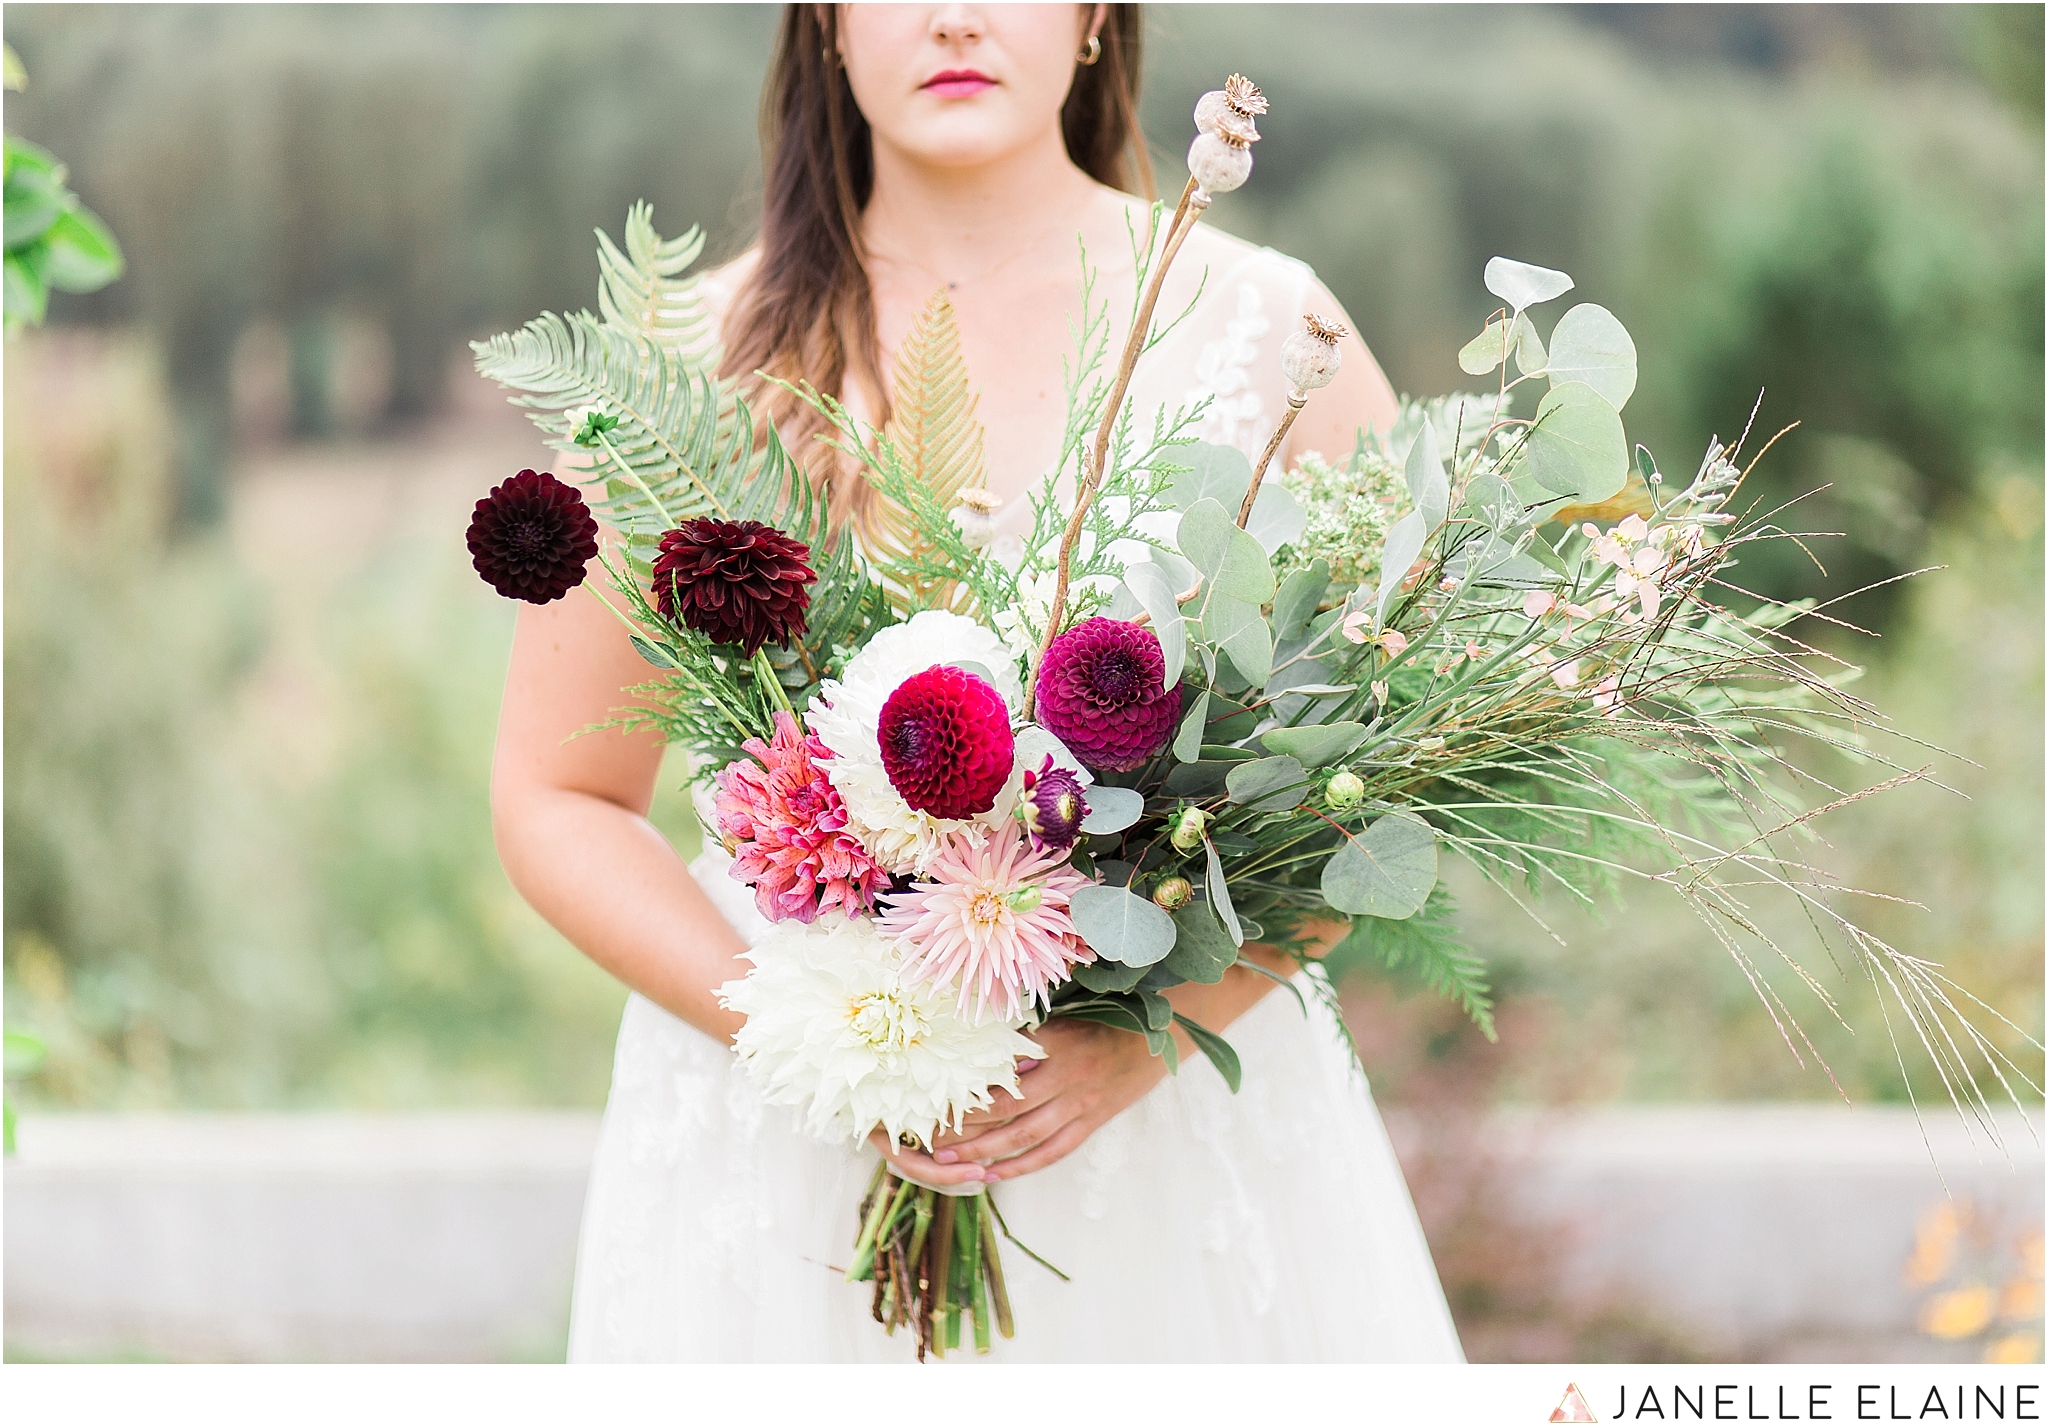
976 516
1185 832
1221 159
1173 893
1309 358
1053 806
1346 790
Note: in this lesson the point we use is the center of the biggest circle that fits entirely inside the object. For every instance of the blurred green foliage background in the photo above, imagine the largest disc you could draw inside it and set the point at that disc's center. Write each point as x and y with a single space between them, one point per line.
251 685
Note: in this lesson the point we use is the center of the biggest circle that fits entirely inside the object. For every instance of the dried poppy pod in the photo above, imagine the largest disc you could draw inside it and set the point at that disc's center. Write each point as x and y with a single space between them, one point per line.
1309 358
1221 159
1238 96
974 512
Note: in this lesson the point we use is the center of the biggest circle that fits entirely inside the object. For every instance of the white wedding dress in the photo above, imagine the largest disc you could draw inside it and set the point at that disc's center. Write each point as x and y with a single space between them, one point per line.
1198 1226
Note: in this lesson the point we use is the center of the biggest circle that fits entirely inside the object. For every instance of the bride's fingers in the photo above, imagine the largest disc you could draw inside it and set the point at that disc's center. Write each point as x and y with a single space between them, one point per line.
1015 1138
919 1166
1062 1143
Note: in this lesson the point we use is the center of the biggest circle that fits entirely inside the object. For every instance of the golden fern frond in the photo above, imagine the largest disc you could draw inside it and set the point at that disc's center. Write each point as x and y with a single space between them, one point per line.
936 438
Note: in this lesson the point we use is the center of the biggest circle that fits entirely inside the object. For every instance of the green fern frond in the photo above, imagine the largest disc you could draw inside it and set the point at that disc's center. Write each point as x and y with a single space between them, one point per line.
1428 943
643 290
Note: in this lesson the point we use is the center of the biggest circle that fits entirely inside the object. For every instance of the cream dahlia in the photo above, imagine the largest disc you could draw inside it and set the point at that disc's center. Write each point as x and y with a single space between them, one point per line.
836 1028
992 922
847 716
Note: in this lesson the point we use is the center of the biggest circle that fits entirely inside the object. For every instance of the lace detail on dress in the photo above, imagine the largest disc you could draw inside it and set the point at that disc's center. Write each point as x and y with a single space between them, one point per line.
1237 409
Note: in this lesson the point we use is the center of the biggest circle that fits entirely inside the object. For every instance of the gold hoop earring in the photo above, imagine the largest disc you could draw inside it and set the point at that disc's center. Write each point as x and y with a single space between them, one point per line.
1092 53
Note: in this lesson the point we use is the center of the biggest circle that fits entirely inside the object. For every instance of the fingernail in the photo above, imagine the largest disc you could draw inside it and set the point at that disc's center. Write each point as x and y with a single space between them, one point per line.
1027 1064
946 1157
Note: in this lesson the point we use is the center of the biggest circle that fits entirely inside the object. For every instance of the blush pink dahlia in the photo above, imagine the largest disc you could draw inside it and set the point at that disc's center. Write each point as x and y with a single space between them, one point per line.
1101 691
946 742
992 918
787 830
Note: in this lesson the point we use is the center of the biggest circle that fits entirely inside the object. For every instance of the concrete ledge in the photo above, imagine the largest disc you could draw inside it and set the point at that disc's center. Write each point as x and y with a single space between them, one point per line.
1761 1229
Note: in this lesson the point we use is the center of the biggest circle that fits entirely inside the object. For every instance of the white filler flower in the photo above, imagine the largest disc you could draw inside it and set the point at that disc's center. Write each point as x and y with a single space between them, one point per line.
848 714
835 1028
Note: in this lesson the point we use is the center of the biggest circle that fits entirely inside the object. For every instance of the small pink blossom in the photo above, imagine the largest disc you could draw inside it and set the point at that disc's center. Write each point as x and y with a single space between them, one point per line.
992 918
786 827
1607 696
1474 651
1357 626
1394 643
1538 603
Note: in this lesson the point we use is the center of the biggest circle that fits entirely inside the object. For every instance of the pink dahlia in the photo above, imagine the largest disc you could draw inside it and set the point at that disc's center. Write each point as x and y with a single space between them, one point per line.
946 742
787 829
992 918
1102 693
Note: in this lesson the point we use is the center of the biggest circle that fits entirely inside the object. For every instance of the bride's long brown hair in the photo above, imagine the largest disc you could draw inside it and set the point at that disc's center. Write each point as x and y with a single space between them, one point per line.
806 311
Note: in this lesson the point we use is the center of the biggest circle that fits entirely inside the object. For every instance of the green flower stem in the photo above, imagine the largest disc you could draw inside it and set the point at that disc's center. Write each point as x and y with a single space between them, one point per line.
992 1262
976 1247
765 671
636 478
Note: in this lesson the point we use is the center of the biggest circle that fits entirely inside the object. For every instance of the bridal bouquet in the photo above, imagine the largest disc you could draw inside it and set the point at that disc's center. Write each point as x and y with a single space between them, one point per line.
976 782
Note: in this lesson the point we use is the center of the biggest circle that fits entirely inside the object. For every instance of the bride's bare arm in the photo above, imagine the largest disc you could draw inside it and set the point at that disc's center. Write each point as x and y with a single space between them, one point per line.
570 816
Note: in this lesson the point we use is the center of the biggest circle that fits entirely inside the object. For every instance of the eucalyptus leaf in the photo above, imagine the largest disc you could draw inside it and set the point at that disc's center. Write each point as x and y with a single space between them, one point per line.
1217 473
1577 447
1155 592
1104 976
1521 285
1230 561
1295 604
1268 785
652 653
1404 543
1157 1011
1202 950
1238 629
1590 345
1218 892
1203 779
1111 810
1316 745
1321 691
1187 743
1277 518
1529 356
1487 351
1120 925
1426 480
1386 871
1220 1053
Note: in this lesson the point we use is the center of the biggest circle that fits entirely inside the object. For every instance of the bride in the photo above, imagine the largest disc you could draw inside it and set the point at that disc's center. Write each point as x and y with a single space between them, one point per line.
913 148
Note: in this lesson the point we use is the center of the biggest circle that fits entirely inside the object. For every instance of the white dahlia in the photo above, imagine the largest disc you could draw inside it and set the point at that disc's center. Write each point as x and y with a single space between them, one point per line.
834 1027
848 713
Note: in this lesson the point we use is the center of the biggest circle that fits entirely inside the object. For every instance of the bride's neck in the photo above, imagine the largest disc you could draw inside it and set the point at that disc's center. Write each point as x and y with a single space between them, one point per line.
952 220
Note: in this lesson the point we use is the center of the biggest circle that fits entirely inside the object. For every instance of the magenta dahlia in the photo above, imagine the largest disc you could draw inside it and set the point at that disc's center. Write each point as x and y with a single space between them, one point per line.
532 538
787 829
946 743
1053 806
734 582
1102 693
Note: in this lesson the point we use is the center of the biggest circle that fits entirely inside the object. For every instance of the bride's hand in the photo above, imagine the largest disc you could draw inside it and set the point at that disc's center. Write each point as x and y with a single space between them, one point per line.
1089 1074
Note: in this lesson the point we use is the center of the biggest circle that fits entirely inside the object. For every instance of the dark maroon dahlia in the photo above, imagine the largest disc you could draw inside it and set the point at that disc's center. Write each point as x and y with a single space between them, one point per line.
734 582
1053 806
532 538
1101 691
946 742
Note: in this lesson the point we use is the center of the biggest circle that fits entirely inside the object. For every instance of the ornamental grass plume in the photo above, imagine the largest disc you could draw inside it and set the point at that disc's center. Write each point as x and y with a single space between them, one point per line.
734 582
1102 693
835 1027
532 538
991 920
786 827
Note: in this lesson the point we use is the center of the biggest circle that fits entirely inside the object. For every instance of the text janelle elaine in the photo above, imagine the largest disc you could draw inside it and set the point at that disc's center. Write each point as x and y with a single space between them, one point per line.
1827 1402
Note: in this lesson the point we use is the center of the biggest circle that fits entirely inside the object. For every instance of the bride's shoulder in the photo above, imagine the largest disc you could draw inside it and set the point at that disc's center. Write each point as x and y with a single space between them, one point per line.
717 287
1228 256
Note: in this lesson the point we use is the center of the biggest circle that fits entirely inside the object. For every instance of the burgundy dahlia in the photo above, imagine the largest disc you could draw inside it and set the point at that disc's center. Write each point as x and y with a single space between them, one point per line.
1102 693
532 538
946 742
1053 806
734 582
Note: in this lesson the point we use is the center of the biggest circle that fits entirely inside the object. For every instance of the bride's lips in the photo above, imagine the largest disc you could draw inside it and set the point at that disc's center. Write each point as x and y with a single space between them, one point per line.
957 83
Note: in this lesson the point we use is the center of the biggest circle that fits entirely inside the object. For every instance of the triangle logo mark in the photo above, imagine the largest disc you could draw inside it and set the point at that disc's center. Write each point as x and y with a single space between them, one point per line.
1573 1408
